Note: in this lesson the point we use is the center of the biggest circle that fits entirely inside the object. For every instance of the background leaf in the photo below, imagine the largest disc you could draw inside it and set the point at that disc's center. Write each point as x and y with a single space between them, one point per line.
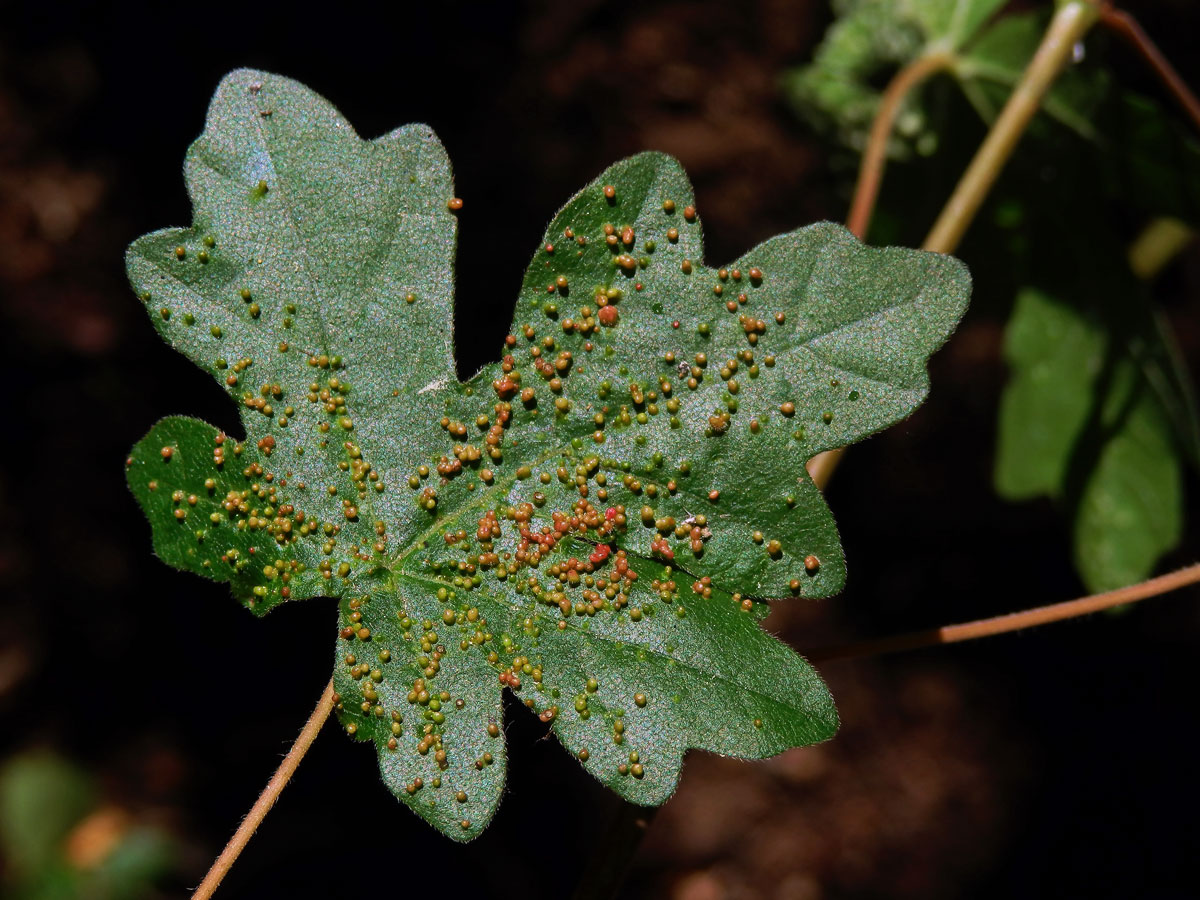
1056 356
1130 510
41 798
1082 421
992 64
1099 412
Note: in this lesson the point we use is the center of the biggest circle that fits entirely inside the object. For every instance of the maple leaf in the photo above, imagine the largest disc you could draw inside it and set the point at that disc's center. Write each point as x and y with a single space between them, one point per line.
593 521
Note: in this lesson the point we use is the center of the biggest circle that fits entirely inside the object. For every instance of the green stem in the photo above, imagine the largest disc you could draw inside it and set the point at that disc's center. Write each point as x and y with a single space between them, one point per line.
1070 23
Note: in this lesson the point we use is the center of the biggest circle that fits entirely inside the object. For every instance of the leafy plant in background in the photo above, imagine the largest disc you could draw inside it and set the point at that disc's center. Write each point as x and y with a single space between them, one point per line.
596 521
871 40
1098 413
57 842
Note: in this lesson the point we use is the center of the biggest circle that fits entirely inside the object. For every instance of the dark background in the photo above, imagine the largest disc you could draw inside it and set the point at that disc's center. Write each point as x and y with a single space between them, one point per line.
1053 763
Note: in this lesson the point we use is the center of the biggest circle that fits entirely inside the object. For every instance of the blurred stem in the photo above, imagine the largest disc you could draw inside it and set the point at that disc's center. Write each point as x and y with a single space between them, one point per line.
267 798
1070 23
1042 615
609 864
1159 243
1127 27
870 171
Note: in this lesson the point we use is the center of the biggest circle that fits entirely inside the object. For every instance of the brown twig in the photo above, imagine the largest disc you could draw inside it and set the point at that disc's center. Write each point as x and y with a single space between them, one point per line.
1029 618
267 798
870 170
1121 22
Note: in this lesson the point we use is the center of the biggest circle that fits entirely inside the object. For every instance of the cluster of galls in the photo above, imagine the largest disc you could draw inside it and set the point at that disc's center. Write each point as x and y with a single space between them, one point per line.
510 674
580 585
469 454
597 592
584 518
331 396
430 704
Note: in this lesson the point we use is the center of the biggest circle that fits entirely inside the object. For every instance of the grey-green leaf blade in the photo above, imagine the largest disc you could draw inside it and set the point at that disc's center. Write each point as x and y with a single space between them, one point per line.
646 661
809 341
745 695
296 280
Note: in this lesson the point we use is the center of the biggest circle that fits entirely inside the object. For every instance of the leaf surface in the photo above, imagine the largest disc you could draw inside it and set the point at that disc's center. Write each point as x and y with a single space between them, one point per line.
590 522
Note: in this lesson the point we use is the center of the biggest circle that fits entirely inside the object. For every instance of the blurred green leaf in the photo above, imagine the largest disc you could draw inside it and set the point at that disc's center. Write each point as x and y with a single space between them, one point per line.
1144 157
41 797
1149 161
1130 510
141 857
1082 421
588 522
43 800
1055 355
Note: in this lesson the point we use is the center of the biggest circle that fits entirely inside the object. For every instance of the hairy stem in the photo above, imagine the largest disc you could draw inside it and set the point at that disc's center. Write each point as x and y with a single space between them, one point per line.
1042 615
870 171
267 798
1070 23
1127 27
1068 26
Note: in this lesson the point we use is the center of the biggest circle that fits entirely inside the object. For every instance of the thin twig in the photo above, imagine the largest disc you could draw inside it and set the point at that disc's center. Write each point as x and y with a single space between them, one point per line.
1042 615
267 798
870 171
1128 27
1070 23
